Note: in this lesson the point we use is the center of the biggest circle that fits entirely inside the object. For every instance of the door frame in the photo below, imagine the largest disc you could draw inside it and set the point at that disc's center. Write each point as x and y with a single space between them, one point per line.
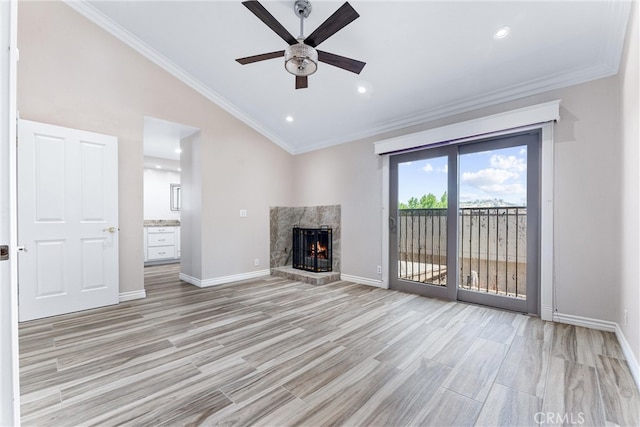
9 367
541 116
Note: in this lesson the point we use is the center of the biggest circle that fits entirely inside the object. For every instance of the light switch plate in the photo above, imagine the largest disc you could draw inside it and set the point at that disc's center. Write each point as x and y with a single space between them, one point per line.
243 213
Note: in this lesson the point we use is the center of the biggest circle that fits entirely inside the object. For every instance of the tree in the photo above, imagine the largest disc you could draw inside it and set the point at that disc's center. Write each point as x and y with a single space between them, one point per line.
427 201
444 200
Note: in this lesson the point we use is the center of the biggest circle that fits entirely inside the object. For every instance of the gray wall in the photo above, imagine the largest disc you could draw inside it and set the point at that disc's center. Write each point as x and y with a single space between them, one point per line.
190 218
628 214
352 176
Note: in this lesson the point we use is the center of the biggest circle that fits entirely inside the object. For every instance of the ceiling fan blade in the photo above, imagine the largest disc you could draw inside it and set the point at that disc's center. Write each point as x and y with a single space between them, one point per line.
264 15
340 19
262 57
302 82
341 62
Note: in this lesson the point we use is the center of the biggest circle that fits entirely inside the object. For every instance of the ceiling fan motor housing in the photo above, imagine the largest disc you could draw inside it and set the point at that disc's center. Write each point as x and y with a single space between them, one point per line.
302 8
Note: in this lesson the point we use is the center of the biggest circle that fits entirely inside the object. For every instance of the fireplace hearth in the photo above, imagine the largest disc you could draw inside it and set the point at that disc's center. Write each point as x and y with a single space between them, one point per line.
312 249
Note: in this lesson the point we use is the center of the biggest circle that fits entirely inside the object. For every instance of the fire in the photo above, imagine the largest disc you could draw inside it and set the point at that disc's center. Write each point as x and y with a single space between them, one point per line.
319 249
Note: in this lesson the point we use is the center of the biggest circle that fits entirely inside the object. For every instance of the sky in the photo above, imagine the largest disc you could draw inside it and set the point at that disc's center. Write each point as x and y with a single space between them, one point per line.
487 175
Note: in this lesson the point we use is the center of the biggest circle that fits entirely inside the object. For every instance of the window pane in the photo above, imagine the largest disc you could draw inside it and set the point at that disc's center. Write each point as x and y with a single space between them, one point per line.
422 221
493 221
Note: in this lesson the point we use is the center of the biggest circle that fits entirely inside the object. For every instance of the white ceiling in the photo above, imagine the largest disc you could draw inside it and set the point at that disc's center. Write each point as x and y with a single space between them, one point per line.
162 141
425 59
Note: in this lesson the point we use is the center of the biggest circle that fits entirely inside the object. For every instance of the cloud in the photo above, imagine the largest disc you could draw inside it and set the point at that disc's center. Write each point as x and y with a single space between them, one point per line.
495 182
504 189
444 169
428 168
509 163
502 178
487 177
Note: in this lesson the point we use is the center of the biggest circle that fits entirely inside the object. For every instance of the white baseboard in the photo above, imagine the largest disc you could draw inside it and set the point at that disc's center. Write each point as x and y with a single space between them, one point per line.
131 295
634 367
587 322
362 280
546 312
189 279
605 325
205 283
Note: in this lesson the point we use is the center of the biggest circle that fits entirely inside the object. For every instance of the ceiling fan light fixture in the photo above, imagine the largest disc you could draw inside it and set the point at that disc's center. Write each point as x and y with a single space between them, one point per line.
301 59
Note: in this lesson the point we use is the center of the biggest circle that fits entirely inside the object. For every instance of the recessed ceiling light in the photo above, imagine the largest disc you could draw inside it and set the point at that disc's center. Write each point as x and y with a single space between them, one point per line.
362 89
158 167
178 150
501 32
179 169
289 119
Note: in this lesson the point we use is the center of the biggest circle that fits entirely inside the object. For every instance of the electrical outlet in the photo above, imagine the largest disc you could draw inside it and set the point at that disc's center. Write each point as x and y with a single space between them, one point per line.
626 317
379 269
256 261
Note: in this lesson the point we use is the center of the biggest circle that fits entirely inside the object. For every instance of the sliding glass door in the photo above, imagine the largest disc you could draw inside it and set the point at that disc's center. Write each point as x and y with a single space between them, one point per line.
423 249
464 222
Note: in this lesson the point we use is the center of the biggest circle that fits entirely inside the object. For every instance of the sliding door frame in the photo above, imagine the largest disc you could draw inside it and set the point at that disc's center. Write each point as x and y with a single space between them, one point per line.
540 116
529 305
530 139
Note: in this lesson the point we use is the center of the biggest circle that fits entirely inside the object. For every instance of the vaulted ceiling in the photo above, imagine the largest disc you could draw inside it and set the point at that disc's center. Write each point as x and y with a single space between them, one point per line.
424 59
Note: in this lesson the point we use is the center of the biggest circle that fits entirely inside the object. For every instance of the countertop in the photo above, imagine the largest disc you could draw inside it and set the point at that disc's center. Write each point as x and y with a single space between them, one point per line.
161 223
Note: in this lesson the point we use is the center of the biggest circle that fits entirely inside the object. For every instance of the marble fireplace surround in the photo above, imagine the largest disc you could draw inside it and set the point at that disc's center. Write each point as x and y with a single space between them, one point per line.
282 221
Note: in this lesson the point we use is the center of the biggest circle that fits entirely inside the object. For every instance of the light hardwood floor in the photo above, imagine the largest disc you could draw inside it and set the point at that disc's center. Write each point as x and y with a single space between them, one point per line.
275 352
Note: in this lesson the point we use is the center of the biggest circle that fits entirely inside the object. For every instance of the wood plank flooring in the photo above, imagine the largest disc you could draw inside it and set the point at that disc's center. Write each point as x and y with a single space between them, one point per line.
276 352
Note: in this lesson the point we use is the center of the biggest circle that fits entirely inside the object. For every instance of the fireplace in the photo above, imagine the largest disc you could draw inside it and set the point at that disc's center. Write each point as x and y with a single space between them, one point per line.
312 249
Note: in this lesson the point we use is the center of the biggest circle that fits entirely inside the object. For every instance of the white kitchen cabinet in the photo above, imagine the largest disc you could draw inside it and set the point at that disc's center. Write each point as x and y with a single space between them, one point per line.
162 243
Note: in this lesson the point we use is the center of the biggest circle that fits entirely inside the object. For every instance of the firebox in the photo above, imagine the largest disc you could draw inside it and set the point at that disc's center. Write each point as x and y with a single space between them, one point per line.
312 249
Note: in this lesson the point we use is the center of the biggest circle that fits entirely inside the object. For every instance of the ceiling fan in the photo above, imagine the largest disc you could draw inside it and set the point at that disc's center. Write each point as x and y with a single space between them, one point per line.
301 58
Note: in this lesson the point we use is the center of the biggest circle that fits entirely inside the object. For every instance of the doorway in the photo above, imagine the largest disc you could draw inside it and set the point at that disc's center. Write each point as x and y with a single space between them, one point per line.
464 222
163 190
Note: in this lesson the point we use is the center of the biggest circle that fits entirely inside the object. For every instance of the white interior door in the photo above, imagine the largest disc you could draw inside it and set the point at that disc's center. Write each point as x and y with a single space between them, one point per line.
67 220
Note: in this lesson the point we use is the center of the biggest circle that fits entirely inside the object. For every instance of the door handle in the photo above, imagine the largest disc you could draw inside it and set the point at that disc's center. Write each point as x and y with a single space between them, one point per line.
392 224
110 229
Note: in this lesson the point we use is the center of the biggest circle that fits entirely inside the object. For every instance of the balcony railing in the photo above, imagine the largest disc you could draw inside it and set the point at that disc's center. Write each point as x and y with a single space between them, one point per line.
491 249
422 245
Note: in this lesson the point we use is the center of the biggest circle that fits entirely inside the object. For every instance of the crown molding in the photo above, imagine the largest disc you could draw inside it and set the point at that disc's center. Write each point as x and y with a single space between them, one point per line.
109 25
484 100
610 52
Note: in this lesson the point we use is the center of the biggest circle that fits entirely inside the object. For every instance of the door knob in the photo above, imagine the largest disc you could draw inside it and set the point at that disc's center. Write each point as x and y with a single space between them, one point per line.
110 229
